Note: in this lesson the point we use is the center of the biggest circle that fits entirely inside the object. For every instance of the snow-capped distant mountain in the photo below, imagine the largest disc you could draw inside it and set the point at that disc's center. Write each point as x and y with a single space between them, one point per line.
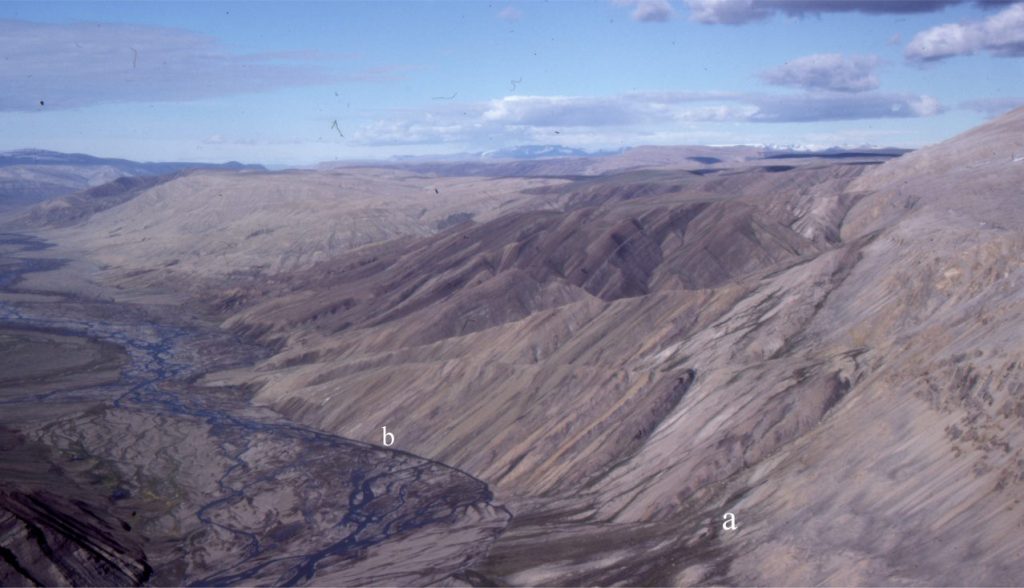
771 149
787 151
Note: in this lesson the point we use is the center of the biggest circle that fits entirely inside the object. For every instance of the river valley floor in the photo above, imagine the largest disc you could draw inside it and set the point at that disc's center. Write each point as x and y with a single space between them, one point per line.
120 469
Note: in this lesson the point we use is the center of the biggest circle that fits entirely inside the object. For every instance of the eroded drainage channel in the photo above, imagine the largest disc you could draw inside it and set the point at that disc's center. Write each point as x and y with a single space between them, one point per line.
234 494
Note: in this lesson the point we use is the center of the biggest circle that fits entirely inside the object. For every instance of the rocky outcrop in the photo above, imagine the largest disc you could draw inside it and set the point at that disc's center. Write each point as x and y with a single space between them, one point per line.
49 540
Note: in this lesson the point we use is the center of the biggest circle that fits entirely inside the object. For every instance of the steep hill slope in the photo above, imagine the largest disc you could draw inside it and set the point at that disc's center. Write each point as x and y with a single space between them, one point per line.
211 224
829 353
531 315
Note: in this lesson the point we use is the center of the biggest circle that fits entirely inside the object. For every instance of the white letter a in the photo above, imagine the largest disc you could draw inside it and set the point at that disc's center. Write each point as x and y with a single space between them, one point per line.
730 522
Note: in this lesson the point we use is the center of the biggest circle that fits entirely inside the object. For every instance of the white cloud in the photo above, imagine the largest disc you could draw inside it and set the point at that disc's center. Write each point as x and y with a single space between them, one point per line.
510 13
725 11
717 113
514 119
835 106
827 71
1001 34
569 111
943 41
925 106
648 10
219 139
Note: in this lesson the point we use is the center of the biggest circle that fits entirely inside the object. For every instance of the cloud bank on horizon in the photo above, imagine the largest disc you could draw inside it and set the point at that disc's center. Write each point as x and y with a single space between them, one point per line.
536 118
256 93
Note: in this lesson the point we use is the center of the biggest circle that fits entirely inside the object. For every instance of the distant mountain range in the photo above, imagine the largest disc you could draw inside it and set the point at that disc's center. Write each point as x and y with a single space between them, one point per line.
559 160
134 168
28 176
537 152
787 152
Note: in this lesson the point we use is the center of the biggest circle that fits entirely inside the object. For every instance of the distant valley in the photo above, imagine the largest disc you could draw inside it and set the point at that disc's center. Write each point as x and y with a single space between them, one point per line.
28 176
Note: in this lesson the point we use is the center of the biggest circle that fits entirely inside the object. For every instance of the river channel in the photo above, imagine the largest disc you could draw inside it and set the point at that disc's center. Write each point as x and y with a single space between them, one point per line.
215 490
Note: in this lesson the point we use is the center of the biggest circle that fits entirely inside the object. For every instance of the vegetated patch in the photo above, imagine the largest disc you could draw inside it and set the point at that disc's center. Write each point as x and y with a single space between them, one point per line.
705 160
778 168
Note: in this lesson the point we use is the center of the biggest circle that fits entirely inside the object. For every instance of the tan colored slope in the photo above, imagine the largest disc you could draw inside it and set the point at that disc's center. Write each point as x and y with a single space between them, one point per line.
674 157
516 349
216 222
213 223
967 178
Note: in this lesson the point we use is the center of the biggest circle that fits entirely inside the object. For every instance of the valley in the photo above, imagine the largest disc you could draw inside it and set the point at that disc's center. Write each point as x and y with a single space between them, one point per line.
583 373
120 471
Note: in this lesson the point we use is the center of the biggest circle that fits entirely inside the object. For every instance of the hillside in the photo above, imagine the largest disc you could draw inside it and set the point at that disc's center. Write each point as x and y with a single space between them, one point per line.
831 352
213 223
29 176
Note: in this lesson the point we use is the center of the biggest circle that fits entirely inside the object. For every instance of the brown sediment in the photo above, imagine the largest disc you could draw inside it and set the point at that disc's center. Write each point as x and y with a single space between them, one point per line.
33 359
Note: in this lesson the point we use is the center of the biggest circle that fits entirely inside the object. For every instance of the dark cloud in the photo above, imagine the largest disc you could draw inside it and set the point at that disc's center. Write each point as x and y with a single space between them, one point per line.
736 12
81 64
827 71
804 7
994 3
1001 34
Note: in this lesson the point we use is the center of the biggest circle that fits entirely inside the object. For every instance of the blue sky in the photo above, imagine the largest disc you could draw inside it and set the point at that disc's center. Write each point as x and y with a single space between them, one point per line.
265 82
